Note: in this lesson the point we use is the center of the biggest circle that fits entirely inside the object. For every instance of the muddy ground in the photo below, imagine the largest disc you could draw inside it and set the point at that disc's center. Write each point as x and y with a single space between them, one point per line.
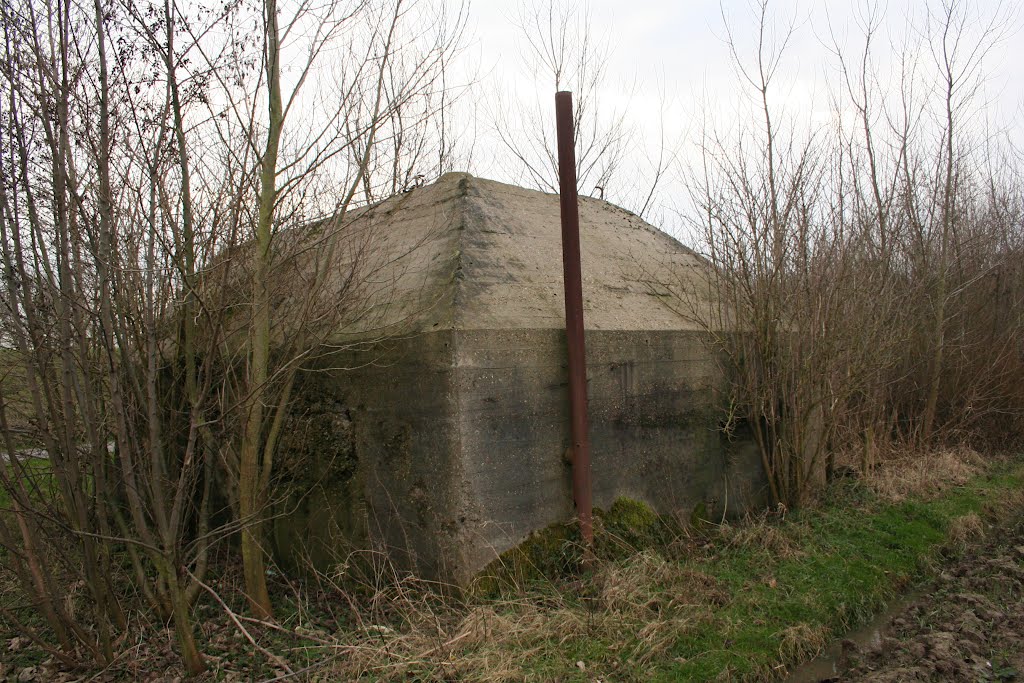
967 625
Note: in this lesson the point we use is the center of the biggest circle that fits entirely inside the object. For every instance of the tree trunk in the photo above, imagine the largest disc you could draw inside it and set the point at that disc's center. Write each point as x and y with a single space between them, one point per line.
250 466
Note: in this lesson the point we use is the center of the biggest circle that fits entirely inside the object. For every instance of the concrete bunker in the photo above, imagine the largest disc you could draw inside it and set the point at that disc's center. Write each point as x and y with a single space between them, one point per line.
437 427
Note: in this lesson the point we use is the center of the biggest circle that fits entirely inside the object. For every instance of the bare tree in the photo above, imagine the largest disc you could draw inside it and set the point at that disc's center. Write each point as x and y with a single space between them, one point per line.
560 49
366 137
847 260
167 269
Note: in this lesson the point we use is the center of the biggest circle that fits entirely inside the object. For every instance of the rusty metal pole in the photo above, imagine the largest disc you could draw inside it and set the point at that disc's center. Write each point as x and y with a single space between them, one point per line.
569 201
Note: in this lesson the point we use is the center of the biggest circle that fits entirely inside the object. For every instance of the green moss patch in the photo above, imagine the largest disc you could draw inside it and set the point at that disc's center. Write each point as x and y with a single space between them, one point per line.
558 551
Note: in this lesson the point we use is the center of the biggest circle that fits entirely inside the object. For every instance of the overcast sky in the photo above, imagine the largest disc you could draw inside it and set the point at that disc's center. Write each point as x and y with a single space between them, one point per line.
670 56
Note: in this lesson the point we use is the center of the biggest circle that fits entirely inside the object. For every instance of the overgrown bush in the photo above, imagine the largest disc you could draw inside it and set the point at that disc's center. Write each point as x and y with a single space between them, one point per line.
868 271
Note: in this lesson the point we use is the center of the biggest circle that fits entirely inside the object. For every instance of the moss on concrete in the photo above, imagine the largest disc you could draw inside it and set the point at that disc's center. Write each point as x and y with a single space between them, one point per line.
319 507
630 515
558 550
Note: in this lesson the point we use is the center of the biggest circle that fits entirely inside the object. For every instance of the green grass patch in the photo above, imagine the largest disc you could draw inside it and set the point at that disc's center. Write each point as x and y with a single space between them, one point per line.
748 601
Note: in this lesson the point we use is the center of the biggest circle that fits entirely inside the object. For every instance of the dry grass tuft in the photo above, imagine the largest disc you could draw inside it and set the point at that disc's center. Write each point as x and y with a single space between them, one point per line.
760 534
657 636
925 475
495 639
965 531
1010 501
801 642
655 599
647 584
645 601
430 640
626 587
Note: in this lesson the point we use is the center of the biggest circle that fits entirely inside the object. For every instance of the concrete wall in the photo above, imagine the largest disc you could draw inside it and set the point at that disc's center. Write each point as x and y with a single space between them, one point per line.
404 441
654 412
458 437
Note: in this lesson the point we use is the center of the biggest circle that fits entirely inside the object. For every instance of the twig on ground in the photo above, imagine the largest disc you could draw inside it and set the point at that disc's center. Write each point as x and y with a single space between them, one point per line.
238 622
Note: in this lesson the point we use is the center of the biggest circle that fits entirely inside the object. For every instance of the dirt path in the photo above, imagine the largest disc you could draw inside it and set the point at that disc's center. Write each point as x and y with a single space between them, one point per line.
967 625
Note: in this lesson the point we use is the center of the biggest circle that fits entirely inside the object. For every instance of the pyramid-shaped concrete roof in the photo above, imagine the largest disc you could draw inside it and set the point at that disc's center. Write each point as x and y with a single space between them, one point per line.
468 253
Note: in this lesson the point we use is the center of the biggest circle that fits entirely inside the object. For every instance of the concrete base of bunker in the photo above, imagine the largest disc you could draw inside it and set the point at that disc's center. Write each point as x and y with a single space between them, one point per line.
444 445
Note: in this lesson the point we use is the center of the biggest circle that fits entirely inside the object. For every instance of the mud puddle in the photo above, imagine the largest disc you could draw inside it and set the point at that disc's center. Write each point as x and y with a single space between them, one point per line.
830 664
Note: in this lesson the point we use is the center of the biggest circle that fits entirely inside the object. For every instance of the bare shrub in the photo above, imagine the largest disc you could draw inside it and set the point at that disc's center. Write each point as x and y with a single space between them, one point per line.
864 273
167 270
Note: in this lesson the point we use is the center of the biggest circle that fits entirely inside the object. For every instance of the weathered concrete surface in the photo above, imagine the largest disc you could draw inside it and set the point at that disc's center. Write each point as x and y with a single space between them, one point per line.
654 415
457 422
398 489
468 253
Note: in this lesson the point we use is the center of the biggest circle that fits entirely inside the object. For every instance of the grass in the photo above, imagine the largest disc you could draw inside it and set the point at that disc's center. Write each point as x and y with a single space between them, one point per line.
663 601
38 480
852 560
855 554
743 602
